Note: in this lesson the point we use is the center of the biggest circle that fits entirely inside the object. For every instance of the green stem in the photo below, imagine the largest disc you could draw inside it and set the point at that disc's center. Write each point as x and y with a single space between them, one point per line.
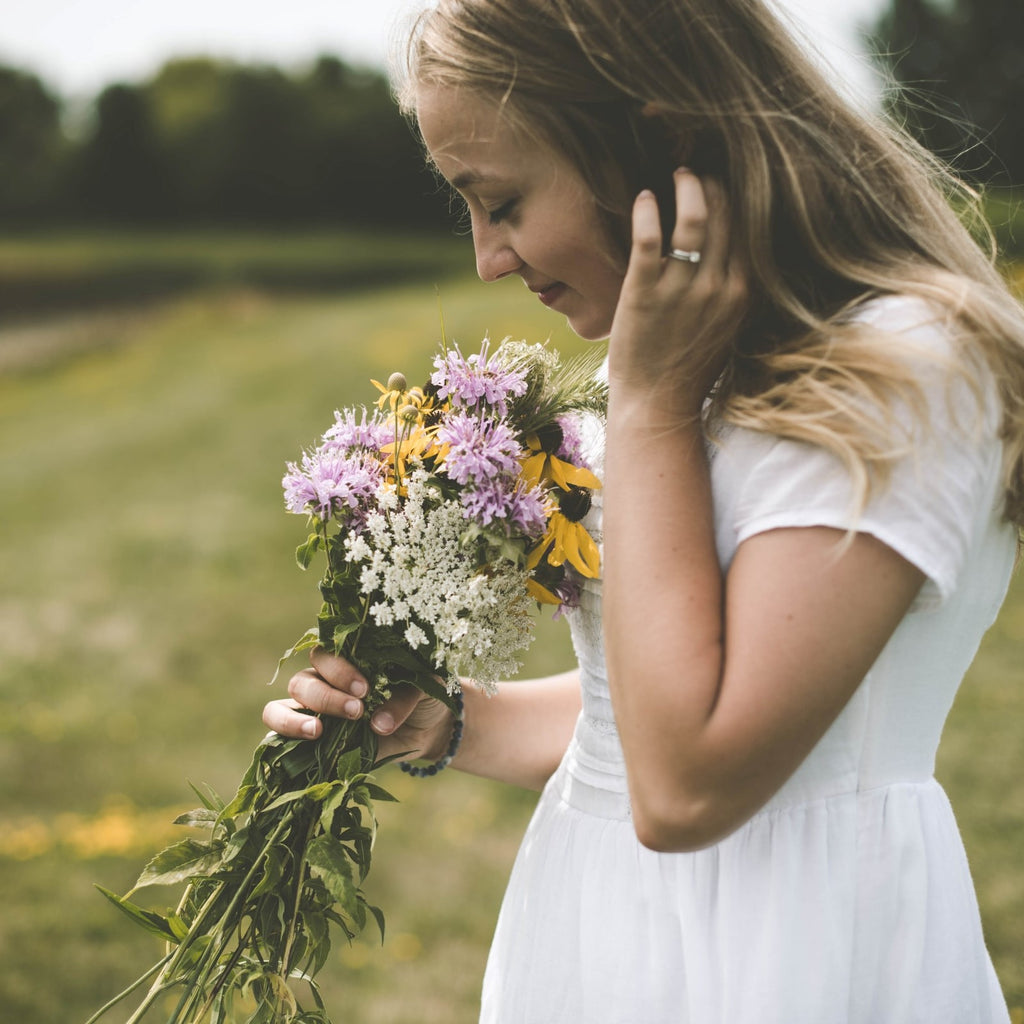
129 990
207 962
171 963
226 975
283 964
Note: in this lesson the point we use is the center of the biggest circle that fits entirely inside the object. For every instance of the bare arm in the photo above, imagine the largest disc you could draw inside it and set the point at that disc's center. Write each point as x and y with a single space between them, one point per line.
720 686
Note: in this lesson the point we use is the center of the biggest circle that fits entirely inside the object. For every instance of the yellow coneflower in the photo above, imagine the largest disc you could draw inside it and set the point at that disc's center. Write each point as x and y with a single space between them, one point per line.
566 540
541 466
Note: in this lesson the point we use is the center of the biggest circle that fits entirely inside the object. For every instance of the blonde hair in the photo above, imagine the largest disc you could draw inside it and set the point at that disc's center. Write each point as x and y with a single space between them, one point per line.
828 207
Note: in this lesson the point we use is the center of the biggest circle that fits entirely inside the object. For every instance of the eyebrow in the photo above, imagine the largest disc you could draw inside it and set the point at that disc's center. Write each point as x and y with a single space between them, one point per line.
460 181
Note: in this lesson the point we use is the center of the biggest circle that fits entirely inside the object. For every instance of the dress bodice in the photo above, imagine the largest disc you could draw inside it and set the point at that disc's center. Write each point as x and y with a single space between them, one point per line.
889 730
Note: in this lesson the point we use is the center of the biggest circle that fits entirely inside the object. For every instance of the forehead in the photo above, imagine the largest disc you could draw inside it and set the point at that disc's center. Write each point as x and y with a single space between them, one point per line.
469 136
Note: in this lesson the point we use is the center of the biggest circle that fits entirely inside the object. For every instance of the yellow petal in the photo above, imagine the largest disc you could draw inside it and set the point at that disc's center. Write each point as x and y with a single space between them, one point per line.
577 475
558 530
533 469
556 470
535 555
541 594
590 555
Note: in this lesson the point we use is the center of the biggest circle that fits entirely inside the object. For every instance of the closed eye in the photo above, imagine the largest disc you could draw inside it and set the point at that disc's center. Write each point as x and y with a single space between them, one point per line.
500 213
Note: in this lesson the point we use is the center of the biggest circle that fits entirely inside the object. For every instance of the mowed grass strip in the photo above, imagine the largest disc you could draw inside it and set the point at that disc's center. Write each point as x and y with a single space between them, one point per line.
148 587
41 272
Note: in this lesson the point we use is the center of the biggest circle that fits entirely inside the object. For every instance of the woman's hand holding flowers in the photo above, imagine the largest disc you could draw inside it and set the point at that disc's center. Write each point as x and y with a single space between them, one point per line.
409 723
676 321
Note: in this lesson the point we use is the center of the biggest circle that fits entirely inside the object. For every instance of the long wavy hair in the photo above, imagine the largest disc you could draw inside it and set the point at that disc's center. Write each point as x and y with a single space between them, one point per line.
829 207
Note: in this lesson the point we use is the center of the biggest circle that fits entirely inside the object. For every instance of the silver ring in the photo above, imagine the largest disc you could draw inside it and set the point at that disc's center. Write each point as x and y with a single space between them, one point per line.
684 255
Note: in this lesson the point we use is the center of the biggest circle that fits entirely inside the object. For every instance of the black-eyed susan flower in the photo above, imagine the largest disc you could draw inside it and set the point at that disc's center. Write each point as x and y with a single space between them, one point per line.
566 539
541 465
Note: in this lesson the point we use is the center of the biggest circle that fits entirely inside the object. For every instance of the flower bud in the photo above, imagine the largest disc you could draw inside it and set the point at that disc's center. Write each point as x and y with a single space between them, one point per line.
397 382
409 413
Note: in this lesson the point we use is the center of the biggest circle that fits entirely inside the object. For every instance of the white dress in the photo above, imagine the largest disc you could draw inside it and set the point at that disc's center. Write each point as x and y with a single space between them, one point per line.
847 899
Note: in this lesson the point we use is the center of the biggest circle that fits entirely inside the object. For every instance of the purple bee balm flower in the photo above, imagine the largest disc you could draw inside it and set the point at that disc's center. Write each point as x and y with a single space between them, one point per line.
348 434
476 379
571 448
331 482
567 590
522 510
528 511
479 449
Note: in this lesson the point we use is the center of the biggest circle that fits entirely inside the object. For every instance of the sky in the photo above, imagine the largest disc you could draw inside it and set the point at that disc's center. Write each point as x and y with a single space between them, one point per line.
79 46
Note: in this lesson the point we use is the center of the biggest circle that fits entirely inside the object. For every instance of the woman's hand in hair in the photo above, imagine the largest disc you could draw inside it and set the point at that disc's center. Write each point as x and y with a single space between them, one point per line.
676 320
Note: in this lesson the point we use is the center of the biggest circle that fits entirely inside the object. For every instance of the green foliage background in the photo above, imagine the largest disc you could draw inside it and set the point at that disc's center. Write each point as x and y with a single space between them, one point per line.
148 587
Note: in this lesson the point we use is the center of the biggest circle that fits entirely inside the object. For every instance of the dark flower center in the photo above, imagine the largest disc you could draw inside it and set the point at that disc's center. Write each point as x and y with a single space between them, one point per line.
550 437
574 504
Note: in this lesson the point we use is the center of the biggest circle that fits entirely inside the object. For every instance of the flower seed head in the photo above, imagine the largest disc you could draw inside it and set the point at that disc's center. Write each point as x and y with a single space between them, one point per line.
574 504
550 436
397 382
409 413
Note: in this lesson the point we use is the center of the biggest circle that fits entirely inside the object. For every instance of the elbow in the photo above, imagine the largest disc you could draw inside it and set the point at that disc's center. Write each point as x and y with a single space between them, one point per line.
681 824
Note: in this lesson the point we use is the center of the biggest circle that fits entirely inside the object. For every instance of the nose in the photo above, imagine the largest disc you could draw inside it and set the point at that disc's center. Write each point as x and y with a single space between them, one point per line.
495 258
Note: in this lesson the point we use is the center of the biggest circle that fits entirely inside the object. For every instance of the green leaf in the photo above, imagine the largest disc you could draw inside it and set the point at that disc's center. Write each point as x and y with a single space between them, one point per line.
241 804
273 871
201 817
209 798
316 793
378 916
348 764
306 642
180 861
154 923
304 552
329 862
342 632
380 793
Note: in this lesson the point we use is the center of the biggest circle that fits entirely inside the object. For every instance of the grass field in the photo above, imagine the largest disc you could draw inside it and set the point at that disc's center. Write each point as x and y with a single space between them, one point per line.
147 588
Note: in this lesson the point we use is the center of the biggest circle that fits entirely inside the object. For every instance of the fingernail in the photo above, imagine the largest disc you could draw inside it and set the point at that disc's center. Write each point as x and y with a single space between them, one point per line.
683 170
352 708
645 194
309 728
383 722
358 688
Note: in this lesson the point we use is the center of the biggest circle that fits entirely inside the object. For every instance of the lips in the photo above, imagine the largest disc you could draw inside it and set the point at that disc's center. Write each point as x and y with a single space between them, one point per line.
550 293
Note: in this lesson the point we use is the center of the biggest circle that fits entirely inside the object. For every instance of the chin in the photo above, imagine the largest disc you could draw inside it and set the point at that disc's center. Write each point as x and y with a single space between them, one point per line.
590 330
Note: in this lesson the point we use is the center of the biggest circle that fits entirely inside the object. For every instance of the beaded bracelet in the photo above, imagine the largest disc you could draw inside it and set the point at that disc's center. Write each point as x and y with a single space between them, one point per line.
453 746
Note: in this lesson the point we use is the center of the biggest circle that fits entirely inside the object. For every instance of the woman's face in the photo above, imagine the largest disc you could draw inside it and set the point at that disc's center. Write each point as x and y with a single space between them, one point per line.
531 213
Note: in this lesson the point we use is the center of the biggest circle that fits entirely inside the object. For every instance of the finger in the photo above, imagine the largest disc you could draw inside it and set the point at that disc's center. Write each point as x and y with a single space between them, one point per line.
717 244
645 255
289 718
690 232
338 672
312 691
393 713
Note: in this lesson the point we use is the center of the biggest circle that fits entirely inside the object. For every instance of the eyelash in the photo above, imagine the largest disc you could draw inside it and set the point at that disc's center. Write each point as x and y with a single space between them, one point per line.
500 213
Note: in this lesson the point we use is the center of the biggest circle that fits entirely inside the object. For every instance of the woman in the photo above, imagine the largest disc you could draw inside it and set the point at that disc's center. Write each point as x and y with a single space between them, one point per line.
814 475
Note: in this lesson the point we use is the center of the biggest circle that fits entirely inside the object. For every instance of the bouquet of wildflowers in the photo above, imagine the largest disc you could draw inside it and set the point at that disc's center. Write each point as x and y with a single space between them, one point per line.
443 515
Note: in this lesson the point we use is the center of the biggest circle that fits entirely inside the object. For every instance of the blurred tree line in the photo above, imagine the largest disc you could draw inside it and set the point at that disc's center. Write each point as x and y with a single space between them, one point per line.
960 68
209 141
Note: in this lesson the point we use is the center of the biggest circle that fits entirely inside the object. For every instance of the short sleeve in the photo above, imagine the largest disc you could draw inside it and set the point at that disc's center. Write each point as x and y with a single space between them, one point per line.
929 510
